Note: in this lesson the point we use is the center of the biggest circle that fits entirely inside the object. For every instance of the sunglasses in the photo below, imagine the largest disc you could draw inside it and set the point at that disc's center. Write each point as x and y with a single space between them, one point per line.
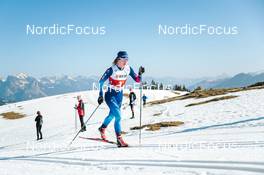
124 58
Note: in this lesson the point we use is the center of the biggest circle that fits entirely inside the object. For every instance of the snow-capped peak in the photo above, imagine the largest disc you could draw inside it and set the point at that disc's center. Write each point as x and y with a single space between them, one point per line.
70 77
22 76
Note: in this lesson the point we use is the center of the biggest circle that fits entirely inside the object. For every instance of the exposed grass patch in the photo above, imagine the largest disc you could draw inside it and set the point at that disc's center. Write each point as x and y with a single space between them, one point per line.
12 115
212 100
123 132
126 95
194 94
258 84
170 99
177 93
157 126
157 114
207 93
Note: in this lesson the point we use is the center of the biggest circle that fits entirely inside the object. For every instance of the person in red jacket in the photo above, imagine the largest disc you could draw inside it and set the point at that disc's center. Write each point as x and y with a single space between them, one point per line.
81 112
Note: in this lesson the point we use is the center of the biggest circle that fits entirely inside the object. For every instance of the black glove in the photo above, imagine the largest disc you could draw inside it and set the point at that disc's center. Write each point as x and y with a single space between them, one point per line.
100 100
141 70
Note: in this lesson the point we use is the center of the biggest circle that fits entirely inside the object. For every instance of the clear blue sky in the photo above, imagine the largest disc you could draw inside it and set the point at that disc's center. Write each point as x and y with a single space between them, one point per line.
132 25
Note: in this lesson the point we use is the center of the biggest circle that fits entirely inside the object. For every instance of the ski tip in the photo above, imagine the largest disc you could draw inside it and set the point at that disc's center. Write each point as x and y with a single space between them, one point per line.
119 146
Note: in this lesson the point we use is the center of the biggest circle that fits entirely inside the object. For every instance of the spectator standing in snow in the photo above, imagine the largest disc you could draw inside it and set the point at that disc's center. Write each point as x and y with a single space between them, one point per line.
81 112
144 98
132 100
39 122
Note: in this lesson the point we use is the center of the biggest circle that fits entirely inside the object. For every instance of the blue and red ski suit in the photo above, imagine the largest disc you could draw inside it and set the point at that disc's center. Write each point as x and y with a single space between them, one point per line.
114 94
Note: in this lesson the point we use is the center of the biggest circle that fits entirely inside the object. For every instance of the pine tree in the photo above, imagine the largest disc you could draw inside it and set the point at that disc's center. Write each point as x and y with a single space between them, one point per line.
161 86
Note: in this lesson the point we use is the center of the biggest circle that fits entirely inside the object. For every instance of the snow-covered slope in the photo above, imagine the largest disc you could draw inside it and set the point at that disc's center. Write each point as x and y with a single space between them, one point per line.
224 137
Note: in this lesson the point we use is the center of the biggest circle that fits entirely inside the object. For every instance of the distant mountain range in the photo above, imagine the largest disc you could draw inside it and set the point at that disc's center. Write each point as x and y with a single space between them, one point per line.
239 80
23 87
190 83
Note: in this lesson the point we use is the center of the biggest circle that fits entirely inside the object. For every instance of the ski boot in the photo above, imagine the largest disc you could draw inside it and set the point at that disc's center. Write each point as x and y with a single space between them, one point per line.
83 129
102 132
121 142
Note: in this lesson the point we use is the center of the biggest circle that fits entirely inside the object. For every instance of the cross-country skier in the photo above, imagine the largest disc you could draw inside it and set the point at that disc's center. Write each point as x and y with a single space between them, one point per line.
39 122
117 75
81 112
132 100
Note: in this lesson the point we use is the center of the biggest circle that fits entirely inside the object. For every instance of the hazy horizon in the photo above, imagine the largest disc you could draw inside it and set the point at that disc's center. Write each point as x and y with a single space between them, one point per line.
147 76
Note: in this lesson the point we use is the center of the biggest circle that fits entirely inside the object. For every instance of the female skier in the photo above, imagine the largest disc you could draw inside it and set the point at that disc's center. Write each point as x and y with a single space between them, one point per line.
117 75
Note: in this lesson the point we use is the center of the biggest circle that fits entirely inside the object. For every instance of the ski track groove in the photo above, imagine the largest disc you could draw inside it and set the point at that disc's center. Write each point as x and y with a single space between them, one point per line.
256 167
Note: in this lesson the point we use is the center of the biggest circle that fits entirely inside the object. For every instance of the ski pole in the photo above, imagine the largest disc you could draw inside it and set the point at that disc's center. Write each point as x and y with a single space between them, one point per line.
84 124
140 109
75 110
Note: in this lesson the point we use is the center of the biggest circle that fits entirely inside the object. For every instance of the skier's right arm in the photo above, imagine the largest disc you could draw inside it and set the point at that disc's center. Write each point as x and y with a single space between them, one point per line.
105 76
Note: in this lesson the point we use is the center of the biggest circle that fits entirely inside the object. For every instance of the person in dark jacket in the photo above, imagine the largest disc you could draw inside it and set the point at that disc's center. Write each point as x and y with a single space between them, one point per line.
144 98
132 100
39 122
81 112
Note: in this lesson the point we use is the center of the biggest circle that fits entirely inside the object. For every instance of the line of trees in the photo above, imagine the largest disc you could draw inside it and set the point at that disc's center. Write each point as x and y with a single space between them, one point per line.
160 86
